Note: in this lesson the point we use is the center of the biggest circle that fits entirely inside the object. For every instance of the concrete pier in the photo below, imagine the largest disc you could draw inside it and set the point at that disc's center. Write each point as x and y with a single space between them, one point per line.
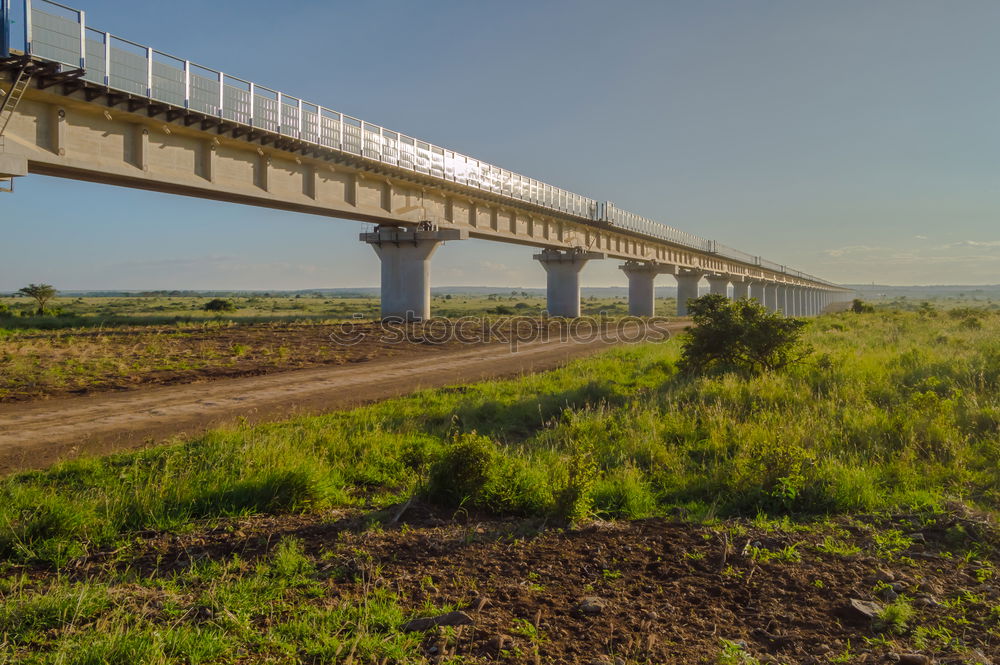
641 289
783 299
687 288
562 286
405 253
757 291
718 284
771 297
741 288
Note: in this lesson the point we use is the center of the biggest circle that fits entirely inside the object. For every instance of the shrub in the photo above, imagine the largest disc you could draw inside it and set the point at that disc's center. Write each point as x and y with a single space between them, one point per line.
472 472
739 335
859 306
219 305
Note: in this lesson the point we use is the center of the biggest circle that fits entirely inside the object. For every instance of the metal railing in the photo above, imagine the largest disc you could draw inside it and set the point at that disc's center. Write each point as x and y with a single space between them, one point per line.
59 34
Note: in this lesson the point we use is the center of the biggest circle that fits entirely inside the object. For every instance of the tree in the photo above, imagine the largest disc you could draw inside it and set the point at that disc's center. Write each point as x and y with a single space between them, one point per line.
739 335
219 305
42 294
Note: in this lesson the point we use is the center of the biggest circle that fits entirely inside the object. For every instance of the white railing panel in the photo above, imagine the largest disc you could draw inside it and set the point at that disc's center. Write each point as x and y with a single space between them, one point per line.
56 33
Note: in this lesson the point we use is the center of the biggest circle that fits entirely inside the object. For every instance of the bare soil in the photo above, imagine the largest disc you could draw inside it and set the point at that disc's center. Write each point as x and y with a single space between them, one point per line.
82 362
672 591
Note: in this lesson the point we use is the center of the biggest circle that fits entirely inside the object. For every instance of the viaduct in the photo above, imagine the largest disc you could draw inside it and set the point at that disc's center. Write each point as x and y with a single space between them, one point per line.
76 102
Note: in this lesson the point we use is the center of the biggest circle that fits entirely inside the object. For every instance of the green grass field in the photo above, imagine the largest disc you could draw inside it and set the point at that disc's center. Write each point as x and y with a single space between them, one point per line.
184 310
894 412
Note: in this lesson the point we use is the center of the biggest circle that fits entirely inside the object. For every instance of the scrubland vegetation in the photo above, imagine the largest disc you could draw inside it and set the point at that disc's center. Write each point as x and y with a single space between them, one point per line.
893 413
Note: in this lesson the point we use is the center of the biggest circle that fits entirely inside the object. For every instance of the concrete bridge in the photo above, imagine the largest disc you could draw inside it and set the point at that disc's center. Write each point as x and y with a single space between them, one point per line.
81 103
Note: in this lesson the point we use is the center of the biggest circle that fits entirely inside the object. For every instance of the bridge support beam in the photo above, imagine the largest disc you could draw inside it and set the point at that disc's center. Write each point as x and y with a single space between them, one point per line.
718 284
12 166
757 291
641 291
687 288
562 285
406 267
741 288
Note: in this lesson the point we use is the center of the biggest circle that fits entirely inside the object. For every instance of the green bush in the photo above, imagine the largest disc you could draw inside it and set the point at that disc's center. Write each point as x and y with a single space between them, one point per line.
859 306
473 472
739 335
219 305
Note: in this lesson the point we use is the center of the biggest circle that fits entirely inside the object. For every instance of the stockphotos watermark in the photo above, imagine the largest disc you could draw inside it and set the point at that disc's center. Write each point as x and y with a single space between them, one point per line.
512 331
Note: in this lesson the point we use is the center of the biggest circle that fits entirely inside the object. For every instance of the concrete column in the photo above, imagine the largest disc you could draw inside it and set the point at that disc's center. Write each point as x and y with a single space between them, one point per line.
406 267
795 308
814 302
718 284
757 291
783 299
641 293
771 296
562 273
741 288
687 288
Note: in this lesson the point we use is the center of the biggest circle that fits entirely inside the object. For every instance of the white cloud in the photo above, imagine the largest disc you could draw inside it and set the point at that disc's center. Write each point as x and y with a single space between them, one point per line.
852 249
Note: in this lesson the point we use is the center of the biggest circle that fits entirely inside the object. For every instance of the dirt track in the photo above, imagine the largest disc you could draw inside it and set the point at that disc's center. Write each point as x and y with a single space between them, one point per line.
36 435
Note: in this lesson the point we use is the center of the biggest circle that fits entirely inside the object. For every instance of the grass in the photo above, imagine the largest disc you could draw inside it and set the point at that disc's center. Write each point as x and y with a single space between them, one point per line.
886 416
895 411
275 606
18 314
111 343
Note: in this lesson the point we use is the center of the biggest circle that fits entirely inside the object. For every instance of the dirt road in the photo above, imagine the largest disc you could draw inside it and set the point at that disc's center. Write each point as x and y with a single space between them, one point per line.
37 434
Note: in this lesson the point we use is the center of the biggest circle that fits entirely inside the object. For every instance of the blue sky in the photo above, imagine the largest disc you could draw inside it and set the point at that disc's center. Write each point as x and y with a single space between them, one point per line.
857 140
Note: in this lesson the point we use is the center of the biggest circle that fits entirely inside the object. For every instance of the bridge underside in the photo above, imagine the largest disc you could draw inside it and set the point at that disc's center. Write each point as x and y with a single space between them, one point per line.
69 128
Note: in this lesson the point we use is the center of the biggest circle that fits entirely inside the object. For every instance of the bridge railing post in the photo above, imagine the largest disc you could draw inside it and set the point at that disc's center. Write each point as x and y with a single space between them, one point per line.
4 28
107 59
83 39
187 84
149 72
27 27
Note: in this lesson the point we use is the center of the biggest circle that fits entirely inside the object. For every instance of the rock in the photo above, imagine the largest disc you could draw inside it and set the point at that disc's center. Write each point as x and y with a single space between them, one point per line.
859 611
426 623
914 659
926 600
887 593
917 537
591 605
930 587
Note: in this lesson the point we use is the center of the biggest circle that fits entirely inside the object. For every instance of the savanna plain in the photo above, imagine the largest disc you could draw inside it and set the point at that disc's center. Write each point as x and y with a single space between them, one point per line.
841 509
